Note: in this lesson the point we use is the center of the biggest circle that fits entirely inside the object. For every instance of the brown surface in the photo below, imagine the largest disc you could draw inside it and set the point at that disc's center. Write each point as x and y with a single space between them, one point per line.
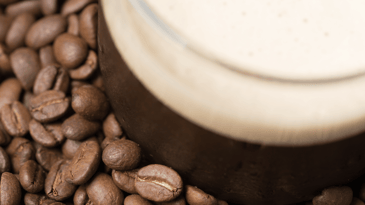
228 169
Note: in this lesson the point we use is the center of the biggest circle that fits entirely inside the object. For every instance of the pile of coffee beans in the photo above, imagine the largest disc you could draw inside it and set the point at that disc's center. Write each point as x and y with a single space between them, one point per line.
60 142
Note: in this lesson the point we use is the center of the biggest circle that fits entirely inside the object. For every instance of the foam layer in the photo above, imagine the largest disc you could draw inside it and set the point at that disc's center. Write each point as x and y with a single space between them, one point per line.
301 39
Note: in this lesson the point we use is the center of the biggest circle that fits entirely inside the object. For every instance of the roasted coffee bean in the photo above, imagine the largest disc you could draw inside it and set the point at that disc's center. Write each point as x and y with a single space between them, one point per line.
49 7
18 29
78 128
84 163
81 197
102 191
4 161
178 201
158 183
10 190
10 90
46 56
48 135
136 199
73 25
88 24
122 155
334 196
6 2
46 157
125 180
89 102
5 22
15 118
74 6
56 187
111 127
109 140
356 201
88 69
27 96
76 84
97 81
20 150
51 77
37 199
32 7
195 196
25 64
49 106
32 176
5 138
70 50
5 67
53 24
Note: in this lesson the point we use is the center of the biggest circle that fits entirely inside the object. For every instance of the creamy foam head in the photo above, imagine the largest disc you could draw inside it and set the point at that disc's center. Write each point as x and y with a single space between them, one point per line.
300 39
245 107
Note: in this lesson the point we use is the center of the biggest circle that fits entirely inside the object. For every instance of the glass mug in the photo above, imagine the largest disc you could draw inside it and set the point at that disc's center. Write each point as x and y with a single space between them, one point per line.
271 123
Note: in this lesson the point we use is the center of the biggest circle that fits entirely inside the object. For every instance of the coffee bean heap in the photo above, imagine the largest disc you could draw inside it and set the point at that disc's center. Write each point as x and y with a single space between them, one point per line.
60 142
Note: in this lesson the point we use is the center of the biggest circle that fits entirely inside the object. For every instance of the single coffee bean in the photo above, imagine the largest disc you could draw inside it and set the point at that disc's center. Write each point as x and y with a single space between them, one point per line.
10 190
4 161
122 155
102 191
53 24
76 84
73 25
15 118
84 163
49 106
49 7
89 102
69 50
6 2
88 69
20 150
25 64
51 77
32 176
48 135
18 29
136 199
74 6
10 90
178 201
195 196
334 196
81 197
46 56
356 201
109 140
37 199
78 128
88 24
46 157
5 138
27 96
56 187
97 81
125 180
32 7
158 183
70 147
111 127
5 22
5 66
